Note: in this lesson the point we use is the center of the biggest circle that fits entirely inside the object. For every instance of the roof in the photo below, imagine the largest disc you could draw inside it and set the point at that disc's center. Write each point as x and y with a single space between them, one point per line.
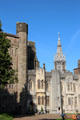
9 34
76 68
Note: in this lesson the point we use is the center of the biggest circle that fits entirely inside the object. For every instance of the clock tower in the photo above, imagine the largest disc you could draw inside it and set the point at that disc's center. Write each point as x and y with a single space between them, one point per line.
59 59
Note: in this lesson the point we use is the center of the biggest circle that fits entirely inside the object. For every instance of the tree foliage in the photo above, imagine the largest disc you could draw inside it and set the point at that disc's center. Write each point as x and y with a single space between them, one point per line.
0 26
6 70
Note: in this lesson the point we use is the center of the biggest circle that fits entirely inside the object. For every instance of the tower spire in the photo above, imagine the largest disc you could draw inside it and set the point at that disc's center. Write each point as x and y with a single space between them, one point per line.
59 58
59 43
59 48
58 35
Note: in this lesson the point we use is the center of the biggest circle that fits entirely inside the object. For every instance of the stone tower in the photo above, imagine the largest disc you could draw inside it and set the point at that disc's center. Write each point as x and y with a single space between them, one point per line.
59 60
22 33
55 94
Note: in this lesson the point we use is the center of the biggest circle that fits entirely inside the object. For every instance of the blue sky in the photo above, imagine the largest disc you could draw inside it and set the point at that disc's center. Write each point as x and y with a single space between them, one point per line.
45 19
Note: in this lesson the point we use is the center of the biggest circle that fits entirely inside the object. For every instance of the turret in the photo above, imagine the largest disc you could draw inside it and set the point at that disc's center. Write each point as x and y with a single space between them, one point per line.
22 33
37 64
44 66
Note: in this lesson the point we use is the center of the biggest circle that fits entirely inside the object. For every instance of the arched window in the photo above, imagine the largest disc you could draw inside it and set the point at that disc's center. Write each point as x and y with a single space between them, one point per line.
38 100
42 100
42 84
30 85
47 86
16 52
47 100
68 86
71 86
12 51
74 87
38 84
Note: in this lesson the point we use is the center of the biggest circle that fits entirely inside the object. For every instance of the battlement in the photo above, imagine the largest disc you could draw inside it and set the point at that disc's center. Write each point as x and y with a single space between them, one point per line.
21 27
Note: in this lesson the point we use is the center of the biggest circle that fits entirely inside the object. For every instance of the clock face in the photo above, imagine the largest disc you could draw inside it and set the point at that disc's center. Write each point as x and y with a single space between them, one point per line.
59 67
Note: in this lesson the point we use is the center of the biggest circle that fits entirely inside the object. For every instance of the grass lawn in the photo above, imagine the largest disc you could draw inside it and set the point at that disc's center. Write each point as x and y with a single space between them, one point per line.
5 117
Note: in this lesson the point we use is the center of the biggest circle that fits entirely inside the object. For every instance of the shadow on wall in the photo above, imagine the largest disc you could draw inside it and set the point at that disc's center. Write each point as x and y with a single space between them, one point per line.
9 104
31 58
26 102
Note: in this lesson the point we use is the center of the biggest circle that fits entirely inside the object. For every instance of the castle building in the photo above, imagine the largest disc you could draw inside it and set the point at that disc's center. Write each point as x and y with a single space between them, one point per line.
52 92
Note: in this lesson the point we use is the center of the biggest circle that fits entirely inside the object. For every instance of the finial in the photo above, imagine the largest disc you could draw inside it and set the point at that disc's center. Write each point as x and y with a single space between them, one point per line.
59 43
44 66
58 35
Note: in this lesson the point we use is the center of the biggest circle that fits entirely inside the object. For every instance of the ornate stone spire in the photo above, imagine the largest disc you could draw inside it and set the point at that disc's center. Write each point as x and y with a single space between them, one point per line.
58 35
59 59
59 48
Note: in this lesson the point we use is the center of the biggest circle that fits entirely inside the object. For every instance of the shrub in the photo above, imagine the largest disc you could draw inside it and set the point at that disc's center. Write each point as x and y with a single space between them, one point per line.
5 117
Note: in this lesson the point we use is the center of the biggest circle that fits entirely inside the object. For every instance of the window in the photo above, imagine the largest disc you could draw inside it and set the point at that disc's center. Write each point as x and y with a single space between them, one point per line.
16 52
12 51
68 86
59 67
75 101
74 87
47 100
79 97
42 84
38 84
79 71
9 85
71 86
12 86
70 100
38 100
42 100
30 85
47 86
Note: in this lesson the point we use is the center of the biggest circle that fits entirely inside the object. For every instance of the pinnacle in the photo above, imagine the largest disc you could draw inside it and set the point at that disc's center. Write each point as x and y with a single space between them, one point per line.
59 43
59 48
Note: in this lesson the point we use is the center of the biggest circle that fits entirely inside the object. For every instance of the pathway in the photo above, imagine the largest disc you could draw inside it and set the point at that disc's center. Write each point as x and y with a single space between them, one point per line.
40 117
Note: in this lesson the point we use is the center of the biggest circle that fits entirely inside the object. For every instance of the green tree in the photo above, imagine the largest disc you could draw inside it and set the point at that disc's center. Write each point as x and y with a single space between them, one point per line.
0 26
7 74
